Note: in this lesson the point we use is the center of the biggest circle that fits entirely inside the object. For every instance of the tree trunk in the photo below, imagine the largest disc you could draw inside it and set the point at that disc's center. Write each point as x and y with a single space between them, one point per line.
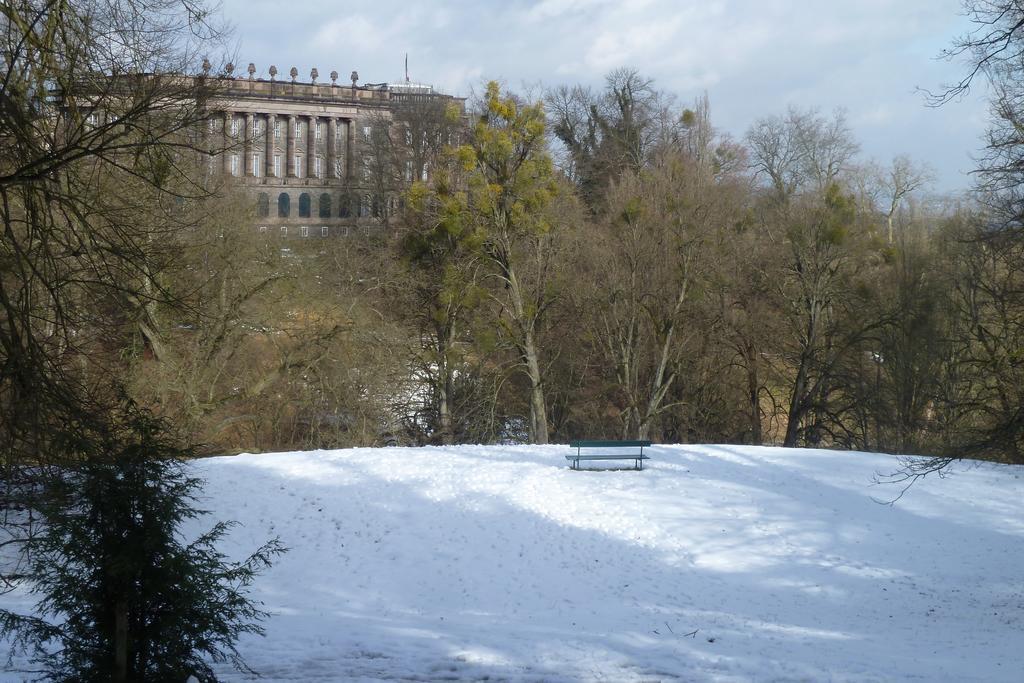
660 384
753 395
795 409
528 352
538 414
444 385
444 413
120 642
797 401
644 430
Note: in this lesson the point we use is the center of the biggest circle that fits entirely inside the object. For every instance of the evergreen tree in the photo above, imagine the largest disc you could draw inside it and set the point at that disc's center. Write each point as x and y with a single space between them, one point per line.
121 596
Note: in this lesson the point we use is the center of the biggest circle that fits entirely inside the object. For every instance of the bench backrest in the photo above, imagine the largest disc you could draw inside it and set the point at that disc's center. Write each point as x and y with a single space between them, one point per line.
609 444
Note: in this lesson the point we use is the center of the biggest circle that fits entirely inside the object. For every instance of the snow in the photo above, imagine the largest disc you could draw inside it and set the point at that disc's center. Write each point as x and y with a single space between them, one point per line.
715 563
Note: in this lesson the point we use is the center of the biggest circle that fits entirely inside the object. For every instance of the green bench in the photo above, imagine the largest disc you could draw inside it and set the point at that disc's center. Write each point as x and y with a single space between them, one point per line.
623 450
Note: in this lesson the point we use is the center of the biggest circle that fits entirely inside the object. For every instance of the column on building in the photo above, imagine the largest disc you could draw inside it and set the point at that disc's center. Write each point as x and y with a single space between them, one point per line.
247 147
331 145
269 151
228 143
350 136
311 148
206 145
292 170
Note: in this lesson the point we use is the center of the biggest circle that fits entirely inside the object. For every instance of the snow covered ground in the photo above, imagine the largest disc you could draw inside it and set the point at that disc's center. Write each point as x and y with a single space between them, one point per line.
717 563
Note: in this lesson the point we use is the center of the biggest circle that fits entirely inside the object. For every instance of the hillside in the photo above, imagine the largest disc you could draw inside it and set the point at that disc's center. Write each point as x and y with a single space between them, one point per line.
718 563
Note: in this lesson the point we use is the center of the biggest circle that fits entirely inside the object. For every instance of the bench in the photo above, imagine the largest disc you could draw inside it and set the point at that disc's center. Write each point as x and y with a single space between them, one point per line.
627 450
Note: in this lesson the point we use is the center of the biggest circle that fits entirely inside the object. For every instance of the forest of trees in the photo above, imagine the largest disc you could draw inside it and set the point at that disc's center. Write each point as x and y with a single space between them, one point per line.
582 262
603 263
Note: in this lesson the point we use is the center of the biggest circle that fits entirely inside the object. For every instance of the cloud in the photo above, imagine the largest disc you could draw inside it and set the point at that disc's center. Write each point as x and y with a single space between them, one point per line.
630 45
552 9
878 115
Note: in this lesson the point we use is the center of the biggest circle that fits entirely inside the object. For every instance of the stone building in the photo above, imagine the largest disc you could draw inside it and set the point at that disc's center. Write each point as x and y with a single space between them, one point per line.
304 150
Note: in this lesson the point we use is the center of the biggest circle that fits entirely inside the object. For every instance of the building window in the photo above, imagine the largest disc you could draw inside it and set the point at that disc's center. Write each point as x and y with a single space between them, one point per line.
304 230
408 171
304 205
338 168
298 130
367 132
343 209
284 230
234 164
284 204
323 231
256 165
319 167
325 205
364 206
277 130
277 165
319 134
339 133
263 206
255 127
424 173
234 126
263 229
298 165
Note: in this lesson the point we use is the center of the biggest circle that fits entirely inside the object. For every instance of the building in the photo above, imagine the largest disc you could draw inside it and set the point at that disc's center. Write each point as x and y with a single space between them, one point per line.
308 153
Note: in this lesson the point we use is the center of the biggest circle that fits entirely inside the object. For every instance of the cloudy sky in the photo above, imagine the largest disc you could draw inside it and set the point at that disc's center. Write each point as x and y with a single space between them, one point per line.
753 57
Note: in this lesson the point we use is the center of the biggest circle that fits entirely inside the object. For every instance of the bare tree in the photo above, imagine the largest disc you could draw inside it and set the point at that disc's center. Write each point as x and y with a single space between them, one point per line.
887 188
825 295
400 147
654 255
655 246
99 142
608 132
801 150
992 49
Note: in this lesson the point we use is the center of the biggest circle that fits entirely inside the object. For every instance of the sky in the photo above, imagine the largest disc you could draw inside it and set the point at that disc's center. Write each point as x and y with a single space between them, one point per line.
754 58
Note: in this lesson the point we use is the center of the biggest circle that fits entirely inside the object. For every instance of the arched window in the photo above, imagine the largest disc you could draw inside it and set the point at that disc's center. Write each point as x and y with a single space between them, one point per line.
284 205
325 205
364 206
304 205
344 206
263 205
